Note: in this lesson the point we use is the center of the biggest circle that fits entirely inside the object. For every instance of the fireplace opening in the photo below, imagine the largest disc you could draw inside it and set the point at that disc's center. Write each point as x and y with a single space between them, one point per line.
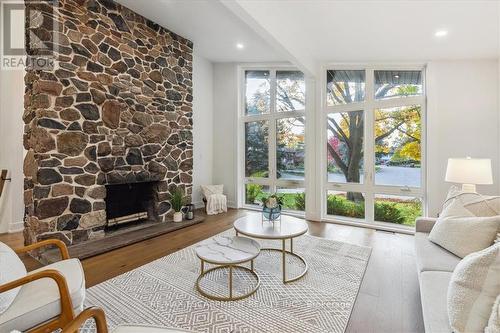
128 203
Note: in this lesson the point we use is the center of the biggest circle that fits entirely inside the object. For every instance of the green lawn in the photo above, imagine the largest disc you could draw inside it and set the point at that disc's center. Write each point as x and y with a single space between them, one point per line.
292 201
392 210
397 211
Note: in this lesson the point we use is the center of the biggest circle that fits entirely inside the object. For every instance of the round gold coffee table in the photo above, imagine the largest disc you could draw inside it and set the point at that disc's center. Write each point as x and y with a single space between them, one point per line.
288 228
227 252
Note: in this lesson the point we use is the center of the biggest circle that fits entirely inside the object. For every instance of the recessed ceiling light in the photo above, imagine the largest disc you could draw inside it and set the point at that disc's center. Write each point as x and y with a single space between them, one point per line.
441 33
240 46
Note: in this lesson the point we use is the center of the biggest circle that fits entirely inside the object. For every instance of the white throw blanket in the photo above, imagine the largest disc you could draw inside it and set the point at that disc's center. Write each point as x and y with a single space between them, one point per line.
216 203
216 200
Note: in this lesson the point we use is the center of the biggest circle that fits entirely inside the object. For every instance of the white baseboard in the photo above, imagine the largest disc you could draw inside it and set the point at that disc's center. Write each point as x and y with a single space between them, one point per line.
16 227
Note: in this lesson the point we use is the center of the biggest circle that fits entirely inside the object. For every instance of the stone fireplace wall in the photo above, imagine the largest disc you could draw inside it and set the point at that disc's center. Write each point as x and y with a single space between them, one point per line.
116 108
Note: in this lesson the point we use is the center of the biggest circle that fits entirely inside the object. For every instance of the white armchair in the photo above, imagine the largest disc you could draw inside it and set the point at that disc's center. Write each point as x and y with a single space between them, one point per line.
42 300
214 199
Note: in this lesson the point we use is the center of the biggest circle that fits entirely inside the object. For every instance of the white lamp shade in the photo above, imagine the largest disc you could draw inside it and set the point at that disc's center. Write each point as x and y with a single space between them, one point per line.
469 171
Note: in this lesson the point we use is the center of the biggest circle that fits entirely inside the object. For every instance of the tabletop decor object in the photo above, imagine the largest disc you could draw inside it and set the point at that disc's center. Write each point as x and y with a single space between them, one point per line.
188 211
271 208
177 201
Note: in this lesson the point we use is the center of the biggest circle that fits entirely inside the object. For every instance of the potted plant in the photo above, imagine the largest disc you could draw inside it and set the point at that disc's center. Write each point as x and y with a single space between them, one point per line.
177 201
271 207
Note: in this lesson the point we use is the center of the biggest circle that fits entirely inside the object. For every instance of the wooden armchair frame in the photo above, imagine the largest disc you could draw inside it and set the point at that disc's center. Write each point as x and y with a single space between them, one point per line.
67 313
63 249
93 312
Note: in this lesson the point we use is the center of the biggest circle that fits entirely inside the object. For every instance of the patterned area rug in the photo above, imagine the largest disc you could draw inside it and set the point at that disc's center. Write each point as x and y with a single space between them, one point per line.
163 292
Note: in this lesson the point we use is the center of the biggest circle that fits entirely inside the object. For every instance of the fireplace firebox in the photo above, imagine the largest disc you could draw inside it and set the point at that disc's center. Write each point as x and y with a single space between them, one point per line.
132 202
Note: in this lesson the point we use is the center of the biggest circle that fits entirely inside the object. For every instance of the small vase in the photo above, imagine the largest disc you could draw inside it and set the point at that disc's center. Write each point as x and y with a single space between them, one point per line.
271 214
178 217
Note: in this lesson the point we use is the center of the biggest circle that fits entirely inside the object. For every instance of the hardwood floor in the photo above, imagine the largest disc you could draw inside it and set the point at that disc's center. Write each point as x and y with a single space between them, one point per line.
389 299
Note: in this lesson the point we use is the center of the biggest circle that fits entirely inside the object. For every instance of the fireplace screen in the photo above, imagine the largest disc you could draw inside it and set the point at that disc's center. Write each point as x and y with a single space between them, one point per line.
129 202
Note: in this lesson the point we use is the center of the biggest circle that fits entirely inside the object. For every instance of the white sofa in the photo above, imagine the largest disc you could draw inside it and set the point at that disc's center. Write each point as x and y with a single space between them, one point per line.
435 266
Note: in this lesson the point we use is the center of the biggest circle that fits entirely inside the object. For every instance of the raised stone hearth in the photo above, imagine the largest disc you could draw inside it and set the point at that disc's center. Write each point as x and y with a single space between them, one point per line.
121 237
116 108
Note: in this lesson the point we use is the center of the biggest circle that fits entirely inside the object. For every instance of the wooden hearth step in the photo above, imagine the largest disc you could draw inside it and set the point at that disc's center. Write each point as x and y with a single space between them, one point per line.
122 237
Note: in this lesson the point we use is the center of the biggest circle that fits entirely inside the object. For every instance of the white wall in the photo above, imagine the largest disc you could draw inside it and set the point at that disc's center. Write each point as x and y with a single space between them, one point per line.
203 118
11 149
462 120
225 128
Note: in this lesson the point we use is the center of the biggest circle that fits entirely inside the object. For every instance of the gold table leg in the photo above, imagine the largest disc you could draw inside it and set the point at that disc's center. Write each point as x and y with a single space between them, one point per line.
284 260
284 252
202 266
230 281
251 265
230 268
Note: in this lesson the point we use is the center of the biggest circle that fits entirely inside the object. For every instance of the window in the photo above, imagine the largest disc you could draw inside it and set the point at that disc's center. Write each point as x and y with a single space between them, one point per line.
293 198
373 133
397 146
257 84
290 153
257 149
389 84
254 193
397 209
274 136
290 91
347 204
345 147
345 86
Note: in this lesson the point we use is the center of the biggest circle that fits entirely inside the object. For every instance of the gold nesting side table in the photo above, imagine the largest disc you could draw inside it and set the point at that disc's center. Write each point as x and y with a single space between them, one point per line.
287 228
227 252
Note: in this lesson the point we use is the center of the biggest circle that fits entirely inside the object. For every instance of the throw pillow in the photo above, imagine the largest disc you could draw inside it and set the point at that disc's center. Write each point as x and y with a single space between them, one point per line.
484 206
460 232
477 204
494 321
11 268
472 291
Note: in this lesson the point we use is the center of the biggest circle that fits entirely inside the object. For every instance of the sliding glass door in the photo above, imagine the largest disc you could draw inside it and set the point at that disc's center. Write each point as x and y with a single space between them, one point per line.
374 144
273 136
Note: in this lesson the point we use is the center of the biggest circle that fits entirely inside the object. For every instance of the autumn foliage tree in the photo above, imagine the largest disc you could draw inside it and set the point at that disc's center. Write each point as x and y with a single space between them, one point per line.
290 96
396 131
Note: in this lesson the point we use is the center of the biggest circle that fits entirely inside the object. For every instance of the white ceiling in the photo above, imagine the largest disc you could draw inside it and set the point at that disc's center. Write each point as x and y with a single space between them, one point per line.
312 32
316 31
212 28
